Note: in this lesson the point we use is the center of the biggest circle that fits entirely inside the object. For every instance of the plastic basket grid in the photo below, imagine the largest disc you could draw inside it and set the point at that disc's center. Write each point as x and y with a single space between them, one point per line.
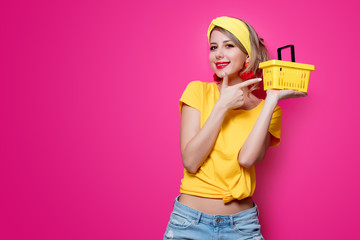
278 75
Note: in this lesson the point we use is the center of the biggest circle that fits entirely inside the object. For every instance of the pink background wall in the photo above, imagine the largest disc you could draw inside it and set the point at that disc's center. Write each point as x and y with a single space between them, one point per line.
90 123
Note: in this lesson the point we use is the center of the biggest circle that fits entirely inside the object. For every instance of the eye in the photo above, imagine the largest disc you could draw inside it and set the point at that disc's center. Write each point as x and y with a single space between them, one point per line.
229 45
212 48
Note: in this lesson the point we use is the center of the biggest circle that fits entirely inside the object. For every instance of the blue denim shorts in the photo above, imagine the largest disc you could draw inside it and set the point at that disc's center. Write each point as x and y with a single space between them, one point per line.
188 223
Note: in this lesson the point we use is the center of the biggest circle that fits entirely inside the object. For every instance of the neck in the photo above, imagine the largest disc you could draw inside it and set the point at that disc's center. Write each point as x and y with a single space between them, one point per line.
233 80
251 100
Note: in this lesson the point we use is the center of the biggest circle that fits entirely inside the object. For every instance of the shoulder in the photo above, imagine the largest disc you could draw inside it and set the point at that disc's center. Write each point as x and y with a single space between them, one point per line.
203 85
192 95
199 86
195 84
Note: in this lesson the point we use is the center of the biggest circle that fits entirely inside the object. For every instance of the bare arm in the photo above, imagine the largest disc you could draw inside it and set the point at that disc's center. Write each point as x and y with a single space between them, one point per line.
196 143
255 146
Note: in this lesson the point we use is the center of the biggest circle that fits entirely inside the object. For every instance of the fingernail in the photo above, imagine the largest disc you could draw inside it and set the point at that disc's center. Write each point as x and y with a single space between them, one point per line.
259 79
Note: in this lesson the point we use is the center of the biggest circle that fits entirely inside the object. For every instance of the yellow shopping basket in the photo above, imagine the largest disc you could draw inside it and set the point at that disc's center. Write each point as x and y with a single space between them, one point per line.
279 74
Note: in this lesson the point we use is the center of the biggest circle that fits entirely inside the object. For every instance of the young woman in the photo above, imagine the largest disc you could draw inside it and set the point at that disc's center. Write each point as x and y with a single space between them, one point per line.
225 131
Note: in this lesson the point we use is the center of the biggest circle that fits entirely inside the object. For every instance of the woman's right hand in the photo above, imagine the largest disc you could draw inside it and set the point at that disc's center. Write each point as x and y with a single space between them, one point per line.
284 94
232 97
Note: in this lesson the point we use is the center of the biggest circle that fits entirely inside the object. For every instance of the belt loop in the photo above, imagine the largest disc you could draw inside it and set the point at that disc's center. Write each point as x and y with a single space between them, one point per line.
231 221
198 218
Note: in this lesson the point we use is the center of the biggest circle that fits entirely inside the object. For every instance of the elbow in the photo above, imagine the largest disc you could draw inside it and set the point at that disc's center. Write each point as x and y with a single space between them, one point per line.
189 165
190 168
246 163
249 161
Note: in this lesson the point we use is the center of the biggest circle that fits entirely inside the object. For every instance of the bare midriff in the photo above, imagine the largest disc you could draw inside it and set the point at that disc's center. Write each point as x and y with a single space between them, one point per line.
215 206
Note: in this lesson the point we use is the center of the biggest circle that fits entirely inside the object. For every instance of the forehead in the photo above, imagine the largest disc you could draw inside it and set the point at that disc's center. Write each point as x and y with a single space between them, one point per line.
217 36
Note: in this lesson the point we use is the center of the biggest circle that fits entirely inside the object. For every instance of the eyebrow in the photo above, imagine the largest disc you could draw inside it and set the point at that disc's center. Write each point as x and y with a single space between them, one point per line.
223 42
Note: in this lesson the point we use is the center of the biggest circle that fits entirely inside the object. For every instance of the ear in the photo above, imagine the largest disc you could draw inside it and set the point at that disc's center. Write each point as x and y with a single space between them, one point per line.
247 61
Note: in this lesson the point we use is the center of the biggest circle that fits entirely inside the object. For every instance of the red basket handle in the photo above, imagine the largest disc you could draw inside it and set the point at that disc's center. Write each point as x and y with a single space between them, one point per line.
292 52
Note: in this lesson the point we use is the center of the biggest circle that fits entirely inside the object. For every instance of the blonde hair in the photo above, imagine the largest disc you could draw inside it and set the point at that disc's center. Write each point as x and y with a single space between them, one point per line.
259 52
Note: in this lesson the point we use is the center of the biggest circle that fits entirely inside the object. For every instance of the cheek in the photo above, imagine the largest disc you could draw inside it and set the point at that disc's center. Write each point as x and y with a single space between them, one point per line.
239 61
211 57
212 60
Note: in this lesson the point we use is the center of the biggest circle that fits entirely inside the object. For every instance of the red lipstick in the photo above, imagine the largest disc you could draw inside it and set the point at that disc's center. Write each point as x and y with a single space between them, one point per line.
220 65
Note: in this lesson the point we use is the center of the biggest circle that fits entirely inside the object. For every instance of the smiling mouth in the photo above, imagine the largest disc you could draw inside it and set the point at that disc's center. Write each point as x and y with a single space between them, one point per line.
220 65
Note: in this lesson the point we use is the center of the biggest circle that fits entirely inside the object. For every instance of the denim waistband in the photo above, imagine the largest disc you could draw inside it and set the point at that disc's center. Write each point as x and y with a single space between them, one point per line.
215 220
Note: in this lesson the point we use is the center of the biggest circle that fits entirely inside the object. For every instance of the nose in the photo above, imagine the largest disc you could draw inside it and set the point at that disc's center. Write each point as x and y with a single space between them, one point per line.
219 54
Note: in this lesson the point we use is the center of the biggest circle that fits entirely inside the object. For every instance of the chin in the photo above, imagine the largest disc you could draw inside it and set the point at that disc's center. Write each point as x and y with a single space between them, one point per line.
218 74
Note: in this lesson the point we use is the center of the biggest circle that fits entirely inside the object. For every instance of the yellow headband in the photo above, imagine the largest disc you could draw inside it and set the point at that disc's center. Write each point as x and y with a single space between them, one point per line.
234 26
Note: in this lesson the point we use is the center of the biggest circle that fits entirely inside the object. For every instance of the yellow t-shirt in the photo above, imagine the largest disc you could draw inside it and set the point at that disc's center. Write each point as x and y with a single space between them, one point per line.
220 175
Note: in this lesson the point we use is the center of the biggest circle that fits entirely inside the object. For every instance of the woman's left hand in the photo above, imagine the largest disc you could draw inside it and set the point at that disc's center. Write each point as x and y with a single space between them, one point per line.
284 94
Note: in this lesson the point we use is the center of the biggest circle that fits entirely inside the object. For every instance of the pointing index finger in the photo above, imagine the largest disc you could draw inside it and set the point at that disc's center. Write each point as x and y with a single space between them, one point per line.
250 82
225 80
